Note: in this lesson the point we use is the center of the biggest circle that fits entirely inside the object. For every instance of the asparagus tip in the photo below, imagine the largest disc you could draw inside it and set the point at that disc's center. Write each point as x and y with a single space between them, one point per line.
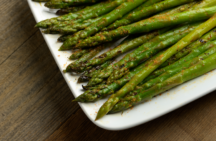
98 117
62 48
84 87
74 100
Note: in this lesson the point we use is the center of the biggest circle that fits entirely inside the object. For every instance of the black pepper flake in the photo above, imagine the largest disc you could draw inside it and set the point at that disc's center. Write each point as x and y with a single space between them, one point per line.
84 87
122 66
119 51
202 41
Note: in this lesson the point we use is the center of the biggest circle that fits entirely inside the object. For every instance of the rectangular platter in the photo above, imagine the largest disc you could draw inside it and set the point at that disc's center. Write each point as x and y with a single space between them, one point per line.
143 113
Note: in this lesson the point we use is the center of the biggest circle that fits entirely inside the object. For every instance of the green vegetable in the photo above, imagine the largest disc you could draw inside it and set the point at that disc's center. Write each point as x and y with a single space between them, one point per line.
63 38
194 71
84 58
69 10
77 54
146 12
150 24
126 46
41 0
109 18
71 16
154 64
195 52
61 4
210 36
186 62
98 93
67 28
145 51
89 73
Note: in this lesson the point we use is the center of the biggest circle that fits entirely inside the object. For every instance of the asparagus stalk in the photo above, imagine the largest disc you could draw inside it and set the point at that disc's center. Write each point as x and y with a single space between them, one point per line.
67 27
41 0
82 17
69 10
84 58
190 59
99 87
194 71
154 64
78 54
62 38
195 52
149 25
119 83
145 50
146 12
131 44
208 37
126 46
106 20
71 16
91 96
143 6
61 4
89 73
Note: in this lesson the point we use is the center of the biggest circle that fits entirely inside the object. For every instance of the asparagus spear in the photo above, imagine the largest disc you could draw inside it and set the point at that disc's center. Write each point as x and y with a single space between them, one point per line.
69 10
61 4
193 54
41 0
91 96
78 54
194 71
145 50
122 48
154 64
63 38
208 37
143 6
67 27
89 73
184 54
149 25
126 18
71 16
99 87
191 58
115 86
76 23
106 20
146 12
84 58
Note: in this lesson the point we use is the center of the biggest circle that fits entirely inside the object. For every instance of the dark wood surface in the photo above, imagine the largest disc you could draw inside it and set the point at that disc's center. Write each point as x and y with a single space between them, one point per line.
35 101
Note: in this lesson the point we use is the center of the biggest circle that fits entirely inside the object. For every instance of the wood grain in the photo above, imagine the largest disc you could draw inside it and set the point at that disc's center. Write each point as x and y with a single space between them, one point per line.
35 102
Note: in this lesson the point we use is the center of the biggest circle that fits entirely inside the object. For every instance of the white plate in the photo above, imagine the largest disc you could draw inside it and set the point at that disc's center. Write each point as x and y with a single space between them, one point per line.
143 113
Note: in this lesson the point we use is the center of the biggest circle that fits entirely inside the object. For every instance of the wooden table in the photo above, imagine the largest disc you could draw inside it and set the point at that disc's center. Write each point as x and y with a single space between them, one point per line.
35 101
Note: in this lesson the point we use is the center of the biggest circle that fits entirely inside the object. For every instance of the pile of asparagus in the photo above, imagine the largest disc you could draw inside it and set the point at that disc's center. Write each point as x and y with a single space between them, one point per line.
170 42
